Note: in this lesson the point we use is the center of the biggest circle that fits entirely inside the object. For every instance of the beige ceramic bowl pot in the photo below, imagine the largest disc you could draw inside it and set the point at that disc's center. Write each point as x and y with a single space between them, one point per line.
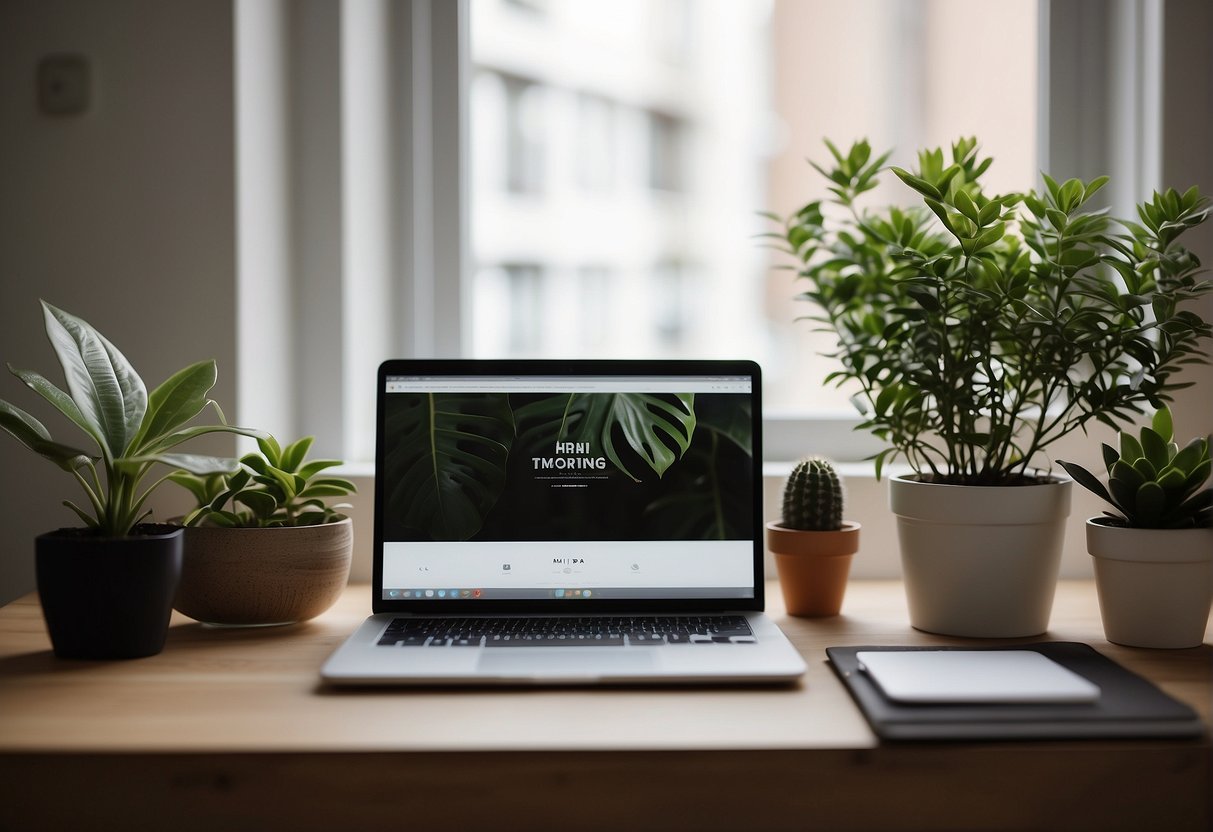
262 577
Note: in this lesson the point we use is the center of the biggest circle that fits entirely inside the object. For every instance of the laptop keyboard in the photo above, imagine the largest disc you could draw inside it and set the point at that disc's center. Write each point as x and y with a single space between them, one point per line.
602 631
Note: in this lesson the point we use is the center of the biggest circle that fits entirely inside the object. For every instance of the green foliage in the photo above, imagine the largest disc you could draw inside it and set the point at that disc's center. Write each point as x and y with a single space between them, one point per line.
982 328
447 459
449 454
649 424
812 498
132 429
277 487
1152 482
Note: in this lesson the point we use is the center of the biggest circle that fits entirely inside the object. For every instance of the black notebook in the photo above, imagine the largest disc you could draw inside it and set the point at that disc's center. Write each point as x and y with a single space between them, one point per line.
1128 705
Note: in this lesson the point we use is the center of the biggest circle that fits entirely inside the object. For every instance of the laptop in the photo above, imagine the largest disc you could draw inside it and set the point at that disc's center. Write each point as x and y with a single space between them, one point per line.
567 522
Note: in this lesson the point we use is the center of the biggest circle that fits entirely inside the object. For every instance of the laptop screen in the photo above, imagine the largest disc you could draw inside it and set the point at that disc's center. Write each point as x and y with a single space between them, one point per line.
567 484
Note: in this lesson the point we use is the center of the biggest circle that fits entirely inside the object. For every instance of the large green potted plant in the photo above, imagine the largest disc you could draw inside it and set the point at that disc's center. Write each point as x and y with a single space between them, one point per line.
1153 552
263 547
107 587
978 329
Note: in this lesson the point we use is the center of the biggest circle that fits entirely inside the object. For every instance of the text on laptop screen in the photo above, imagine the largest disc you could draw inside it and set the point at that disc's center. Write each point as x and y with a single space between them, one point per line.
567 487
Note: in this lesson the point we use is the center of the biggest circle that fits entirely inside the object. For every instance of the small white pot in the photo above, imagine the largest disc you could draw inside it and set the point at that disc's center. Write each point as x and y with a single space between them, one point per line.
1155 585
980 561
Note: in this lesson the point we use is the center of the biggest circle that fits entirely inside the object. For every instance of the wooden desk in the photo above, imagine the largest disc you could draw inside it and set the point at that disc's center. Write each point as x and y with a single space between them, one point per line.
229 729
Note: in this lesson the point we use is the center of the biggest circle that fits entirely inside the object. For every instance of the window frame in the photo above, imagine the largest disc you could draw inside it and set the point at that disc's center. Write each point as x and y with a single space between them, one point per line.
421 68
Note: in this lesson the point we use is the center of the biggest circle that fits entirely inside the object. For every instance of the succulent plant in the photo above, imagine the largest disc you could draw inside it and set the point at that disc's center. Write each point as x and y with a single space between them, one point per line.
273 488
812 498
1152 482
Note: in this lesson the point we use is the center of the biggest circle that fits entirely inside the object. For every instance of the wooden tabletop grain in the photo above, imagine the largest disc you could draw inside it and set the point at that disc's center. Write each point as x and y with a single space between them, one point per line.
234 696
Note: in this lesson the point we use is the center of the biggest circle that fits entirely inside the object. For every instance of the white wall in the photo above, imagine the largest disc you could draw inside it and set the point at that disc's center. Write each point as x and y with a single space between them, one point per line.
124 215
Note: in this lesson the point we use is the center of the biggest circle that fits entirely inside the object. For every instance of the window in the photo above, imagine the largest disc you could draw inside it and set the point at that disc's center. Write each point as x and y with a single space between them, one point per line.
424 178
647 139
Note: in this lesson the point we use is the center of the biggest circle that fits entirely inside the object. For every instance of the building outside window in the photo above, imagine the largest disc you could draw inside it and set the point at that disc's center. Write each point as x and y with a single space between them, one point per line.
632 138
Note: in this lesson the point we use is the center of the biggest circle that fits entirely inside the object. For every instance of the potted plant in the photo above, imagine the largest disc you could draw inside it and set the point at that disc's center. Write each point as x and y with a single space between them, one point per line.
263 547
813 545
107 588
1153 555
977 330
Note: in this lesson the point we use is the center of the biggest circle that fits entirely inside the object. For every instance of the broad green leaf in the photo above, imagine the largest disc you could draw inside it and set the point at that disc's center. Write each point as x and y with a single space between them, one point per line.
1163 425
1093 186
316 466
1146 468
1124 494
1200 502
102 383
198 464
226 519
322 491
1172 479
989 237
446 454
648 424
1155 448
338 482
174 402
256 462
1130 448
293 454
1086 479
172 440
1151 501
285 481
728 416
61 400
272 450
925 298
1199 474
1187 459
917 183
966 206
33 434
1124 471
1070 195
203 489
261 503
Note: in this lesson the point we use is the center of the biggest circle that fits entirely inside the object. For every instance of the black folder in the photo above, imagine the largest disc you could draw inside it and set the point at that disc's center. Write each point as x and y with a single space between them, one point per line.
1128 705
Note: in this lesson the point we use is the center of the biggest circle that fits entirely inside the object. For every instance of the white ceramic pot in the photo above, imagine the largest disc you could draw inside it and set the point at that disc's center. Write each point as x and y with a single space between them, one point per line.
1155 585
980 561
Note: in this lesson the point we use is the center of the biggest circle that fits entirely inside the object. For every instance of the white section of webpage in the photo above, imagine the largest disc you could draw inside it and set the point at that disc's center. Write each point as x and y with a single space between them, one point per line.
558 384
589 564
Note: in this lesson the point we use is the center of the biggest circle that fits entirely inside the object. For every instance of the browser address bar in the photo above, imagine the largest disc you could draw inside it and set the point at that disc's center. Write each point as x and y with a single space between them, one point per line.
464 384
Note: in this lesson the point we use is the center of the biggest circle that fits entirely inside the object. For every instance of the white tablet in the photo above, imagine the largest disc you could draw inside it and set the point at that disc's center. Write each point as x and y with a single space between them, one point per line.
985 676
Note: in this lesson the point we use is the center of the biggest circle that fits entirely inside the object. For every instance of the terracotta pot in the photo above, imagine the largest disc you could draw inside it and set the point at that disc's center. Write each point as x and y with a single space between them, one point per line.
1155 585
108 597
813 566
262 577
980 561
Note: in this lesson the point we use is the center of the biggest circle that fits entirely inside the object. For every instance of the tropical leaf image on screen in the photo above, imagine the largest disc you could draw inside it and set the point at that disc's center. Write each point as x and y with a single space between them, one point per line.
712 497
447 455
656 430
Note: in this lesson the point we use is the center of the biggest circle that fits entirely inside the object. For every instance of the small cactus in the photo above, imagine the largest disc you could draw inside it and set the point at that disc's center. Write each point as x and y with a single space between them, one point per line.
812 499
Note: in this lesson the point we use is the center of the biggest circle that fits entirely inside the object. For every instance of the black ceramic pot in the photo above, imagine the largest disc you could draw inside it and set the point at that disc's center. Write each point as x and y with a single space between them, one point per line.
108 598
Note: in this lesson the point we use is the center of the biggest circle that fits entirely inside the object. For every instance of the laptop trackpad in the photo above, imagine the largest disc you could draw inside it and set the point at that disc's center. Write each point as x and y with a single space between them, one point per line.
564 662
